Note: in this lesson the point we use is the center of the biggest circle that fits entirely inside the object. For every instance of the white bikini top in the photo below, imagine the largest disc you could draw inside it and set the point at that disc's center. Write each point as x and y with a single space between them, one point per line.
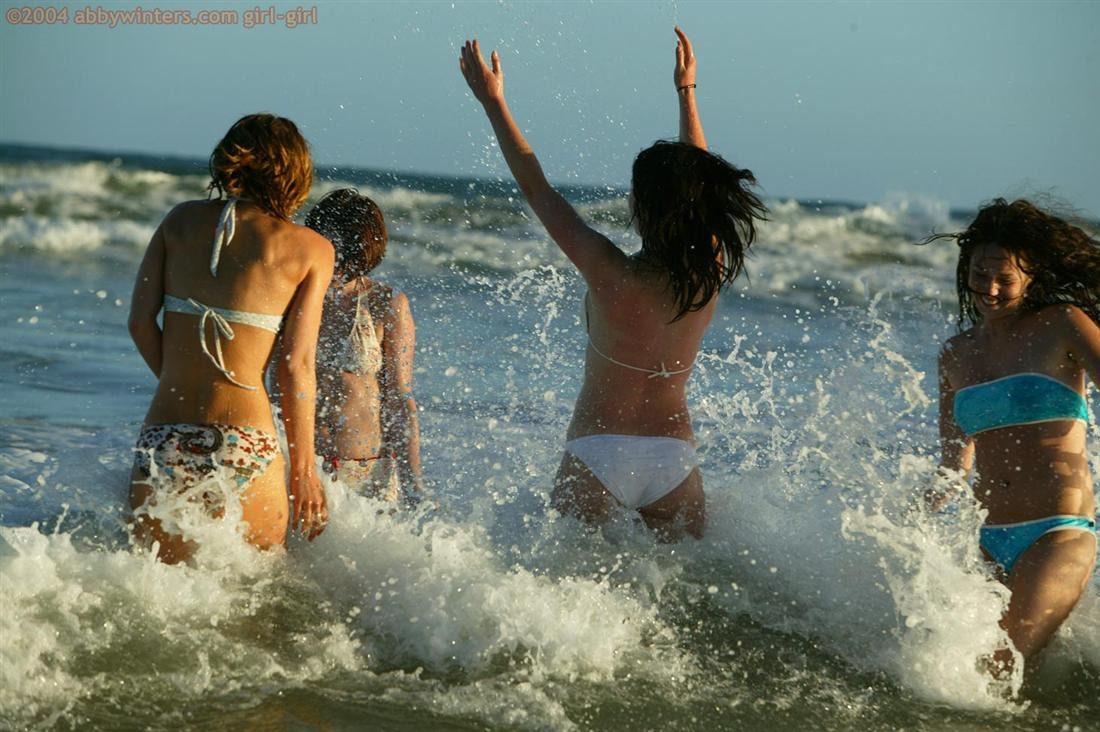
221 317
663 372
362 353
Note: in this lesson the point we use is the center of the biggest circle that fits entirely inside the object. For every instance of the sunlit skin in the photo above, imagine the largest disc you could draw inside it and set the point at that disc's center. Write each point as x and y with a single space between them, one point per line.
272 267
1025 472
629 313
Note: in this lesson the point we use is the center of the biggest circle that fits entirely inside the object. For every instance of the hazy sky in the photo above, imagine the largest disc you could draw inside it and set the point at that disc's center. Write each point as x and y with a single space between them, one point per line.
960 101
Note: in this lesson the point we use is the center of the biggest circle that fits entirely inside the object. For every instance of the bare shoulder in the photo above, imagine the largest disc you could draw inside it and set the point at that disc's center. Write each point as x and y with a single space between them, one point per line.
312 241
186 207
1068 316
305 245
398 304
182 214
956 347
956 352
386 302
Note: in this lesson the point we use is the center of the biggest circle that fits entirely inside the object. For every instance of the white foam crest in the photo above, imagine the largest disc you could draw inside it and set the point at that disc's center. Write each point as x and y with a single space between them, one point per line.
850 252
880 594
390 200
93 190
915 214
438 595
69 236
479 249
22 183
950 607
408 199
808 489
69 615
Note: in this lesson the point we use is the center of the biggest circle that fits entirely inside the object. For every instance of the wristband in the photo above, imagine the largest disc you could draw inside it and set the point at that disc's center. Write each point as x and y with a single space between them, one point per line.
685 86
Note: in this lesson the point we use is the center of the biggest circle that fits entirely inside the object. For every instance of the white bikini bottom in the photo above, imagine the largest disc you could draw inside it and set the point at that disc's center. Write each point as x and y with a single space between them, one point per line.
637 470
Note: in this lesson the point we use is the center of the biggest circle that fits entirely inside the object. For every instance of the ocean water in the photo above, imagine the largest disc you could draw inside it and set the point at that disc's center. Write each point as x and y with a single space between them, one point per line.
816 600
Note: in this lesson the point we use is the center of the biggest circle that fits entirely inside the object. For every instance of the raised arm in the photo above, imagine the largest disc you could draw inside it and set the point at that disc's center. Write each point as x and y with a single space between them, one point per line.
691 128
298 390
591 252
146 302
400 424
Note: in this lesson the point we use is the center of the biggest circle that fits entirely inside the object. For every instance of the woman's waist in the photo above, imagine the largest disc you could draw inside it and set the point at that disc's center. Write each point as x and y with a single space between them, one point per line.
331 462
351 441
348 392
663 398
240 408
194 373
1009 503
591 420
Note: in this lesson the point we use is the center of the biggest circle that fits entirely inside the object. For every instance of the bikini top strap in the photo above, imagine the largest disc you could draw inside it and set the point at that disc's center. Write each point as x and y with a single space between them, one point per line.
227 227
664 372
221 329
358 306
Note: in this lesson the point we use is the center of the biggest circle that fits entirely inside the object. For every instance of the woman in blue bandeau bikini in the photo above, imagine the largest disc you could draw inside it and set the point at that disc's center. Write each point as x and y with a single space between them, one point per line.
1013 410
631 442
230 274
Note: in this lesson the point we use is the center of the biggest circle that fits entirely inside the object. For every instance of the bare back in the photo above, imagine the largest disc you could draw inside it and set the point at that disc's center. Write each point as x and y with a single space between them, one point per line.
631 321
260 272
349 403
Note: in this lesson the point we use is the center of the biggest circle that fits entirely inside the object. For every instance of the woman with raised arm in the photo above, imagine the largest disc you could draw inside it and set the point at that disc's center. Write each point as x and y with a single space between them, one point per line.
230 274
630 442
1013 409
367 429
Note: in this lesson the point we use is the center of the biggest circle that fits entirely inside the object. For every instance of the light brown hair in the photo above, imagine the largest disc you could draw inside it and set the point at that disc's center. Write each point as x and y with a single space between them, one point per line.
265 159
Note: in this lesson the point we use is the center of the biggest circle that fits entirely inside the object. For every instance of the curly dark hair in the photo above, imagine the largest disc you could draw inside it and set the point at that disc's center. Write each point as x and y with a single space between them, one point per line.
354 225
696 216
1061 259
265 159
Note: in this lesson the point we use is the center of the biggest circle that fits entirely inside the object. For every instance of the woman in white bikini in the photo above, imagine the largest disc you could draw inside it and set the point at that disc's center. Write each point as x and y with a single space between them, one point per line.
367 429
630 442
1012 408
229 274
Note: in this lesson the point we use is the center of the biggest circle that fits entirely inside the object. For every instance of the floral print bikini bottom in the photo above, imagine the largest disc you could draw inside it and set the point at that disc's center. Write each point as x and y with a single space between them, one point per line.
189 454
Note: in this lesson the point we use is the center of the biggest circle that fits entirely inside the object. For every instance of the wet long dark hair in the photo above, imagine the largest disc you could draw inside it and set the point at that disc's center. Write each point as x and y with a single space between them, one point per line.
1061 259
697 218
356 228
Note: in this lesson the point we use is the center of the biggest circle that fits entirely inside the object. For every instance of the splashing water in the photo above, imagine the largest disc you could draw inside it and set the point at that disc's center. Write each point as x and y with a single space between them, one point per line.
817 599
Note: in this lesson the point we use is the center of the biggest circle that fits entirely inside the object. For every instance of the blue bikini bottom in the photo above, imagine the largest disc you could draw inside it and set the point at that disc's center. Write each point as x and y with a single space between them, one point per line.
1006 542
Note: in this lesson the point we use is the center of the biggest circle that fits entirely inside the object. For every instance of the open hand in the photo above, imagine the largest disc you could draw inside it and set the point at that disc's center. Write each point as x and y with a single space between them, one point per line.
684 73
486 83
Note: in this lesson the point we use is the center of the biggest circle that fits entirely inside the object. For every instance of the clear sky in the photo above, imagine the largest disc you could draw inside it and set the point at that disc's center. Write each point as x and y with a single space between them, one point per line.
960 101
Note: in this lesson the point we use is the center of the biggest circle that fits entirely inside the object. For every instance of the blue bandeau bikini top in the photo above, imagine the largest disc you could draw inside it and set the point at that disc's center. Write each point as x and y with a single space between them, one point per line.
1015 400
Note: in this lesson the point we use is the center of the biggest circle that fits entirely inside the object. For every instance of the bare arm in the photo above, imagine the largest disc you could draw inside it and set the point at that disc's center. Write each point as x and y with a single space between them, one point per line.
298 385
956 449
691 128
400 424
1084 342
146 302
597 258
